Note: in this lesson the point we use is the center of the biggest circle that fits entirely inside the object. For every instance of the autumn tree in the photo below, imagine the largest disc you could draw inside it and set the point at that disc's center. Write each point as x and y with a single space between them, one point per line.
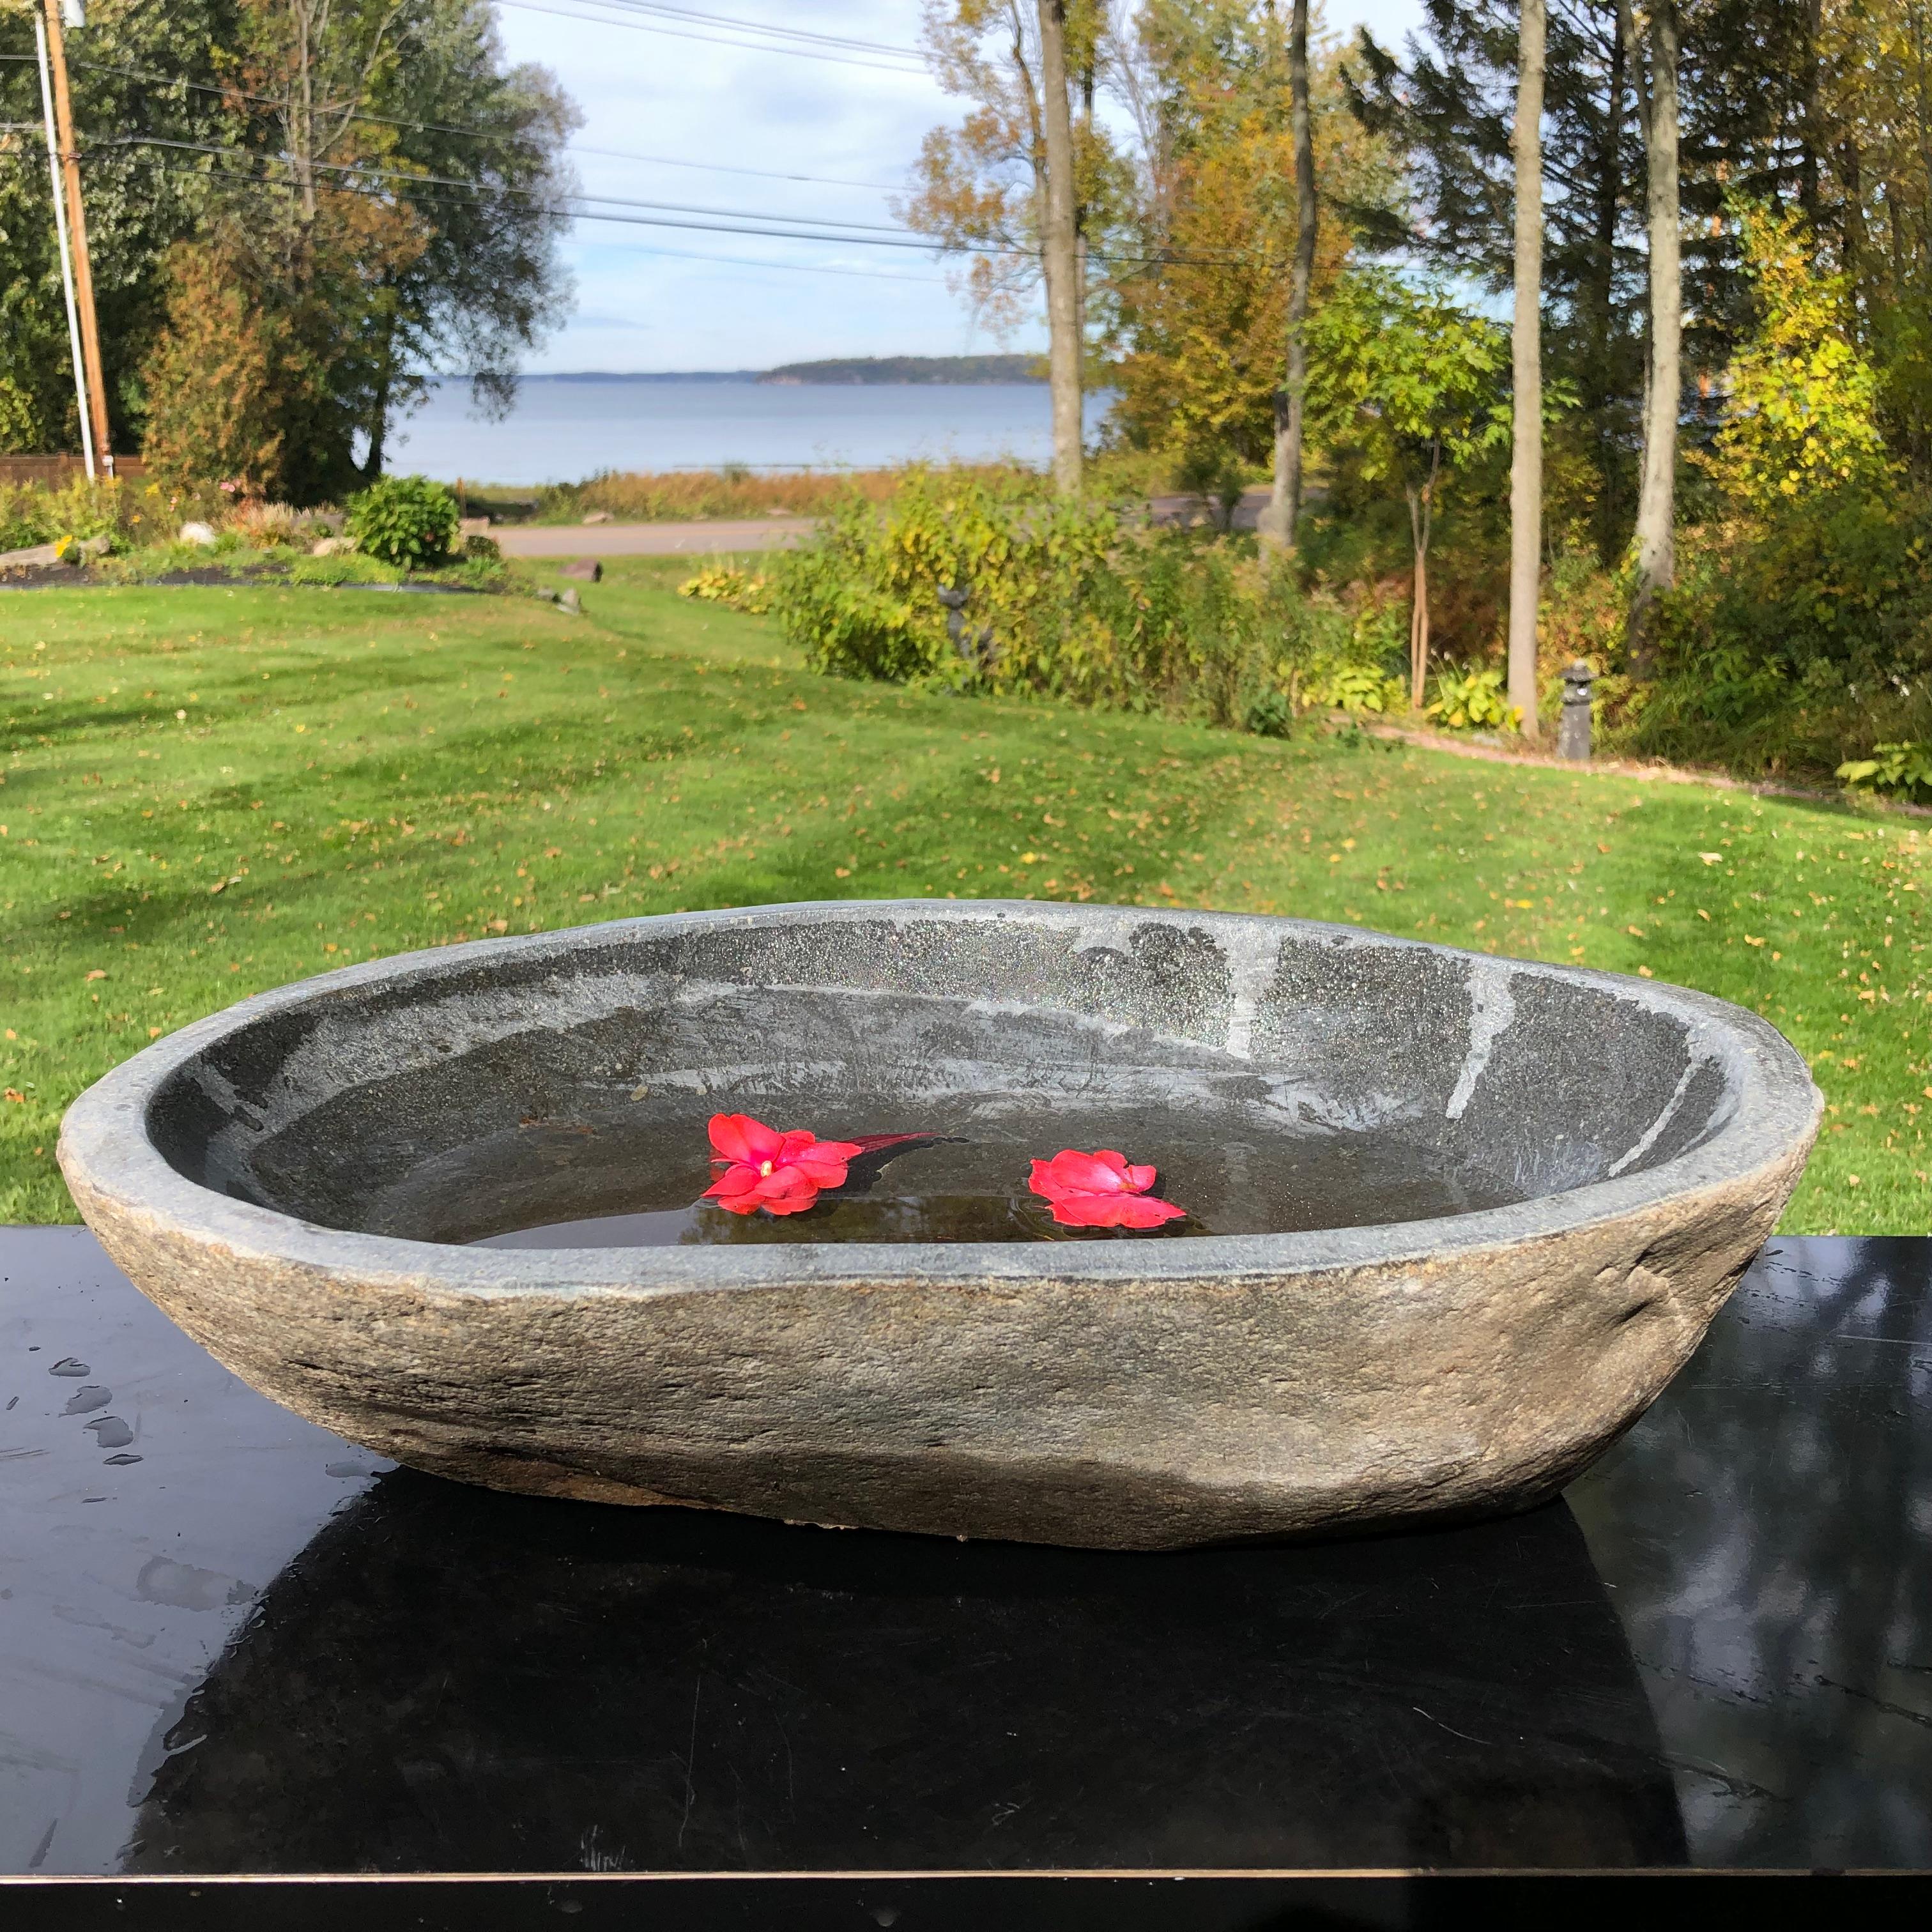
383 190
218 377
984 190
1202 317
1410 381
1800 413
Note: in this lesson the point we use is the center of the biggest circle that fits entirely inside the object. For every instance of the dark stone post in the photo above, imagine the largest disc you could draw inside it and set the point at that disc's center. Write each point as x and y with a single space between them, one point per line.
975 647
1573 739
954 601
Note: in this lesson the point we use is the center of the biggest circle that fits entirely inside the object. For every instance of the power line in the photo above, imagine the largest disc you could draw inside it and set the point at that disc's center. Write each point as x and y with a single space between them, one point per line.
509 136
721 168
671 254
480 195
790 268
409 177
846 40
796 51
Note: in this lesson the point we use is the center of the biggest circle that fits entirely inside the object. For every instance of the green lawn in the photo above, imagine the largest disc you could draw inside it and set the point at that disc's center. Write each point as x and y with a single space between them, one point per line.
208 792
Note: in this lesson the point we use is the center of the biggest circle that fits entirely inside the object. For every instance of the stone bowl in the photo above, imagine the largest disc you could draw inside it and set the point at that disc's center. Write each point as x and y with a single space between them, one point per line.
268 1176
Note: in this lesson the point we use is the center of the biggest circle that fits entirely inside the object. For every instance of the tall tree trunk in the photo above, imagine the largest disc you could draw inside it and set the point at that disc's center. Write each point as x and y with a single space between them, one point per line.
1421 514
380 391
1057 251
1654 542
1284 506
1526 358
1851 168
1807 146
1604 399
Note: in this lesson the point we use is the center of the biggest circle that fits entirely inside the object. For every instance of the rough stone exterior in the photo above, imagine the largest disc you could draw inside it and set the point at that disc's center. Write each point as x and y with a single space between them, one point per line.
1116 1394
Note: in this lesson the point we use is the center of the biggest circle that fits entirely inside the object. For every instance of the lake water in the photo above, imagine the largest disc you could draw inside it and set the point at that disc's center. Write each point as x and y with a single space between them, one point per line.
564 428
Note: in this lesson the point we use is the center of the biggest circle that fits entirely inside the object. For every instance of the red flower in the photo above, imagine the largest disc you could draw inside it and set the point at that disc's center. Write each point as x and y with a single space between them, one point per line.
781 1173
1100 1190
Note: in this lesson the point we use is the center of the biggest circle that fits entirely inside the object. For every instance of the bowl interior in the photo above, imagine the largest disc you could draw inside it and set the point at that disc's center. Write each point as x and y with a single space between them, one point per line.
1280 1076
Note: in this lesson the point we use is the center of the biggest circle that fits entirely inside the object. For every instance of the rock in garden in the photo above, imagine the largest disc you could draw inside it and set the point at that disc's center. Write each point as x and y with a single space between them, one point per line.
587 567
598 517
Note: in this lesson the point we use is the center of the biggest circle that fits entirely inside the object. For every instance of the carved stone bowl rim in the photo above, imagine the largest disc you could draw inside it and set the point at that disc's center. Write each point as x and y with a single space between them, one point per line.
105 1149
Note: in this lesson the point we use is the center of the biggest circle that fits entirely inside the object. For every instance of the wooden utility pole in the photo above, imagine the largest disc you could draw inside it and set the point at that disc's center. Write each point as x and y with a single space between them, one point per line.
76 221
61 244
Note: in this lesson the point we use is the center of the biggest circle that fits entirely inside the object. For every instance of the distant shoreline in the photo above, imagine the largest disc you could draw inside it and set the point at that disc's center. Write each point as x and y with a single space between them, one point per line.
848 372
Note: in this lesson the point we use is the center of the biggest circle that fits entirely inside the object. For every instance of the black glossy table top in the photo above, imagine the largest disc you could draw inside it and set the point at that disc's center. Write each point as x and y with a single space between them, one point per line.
230 1641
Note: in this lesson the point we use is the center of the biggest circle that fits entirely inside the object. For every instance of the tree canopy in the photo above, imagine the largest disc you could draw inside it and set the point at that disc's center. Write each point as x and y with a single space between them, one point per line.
327 202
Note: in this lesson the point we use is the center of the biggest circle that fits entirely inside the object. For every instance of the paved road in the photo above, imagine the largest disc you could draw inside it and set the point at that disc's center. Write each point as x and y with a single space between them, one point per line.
648 539
539 540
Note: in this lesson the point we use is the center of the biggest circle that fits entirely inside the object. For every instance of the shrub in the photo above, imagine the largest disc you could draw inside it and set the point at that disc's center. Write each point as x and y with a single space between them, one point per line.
736 589
1346 653
264 525
1063 599
1472 701
862 600
31 513
406 520
1792 637
1905 768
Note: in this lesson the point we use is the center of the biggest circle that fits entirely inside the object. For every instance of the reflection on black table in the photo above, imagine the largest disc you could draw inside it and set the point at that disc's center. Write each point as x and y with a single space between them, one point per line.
451 1678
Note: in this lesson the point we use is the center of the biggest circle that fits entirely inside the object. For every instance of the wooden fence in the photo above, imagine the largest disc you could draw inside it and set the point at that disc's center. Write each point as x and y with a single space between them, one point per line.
55 470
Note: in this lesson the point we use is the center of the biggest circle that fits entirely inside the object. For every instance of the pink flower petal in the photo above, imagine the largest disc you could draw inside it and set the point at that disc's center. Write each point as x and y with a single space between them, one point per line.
1114 1211
739 1137
1073 1172
791 1204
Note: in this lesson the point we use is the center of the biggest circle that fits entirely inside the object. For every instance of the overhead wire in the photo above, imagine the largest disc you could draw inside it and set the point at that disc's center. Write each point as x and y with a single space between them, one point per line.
776 29
864 234
410 177
509 137
615 15
672 254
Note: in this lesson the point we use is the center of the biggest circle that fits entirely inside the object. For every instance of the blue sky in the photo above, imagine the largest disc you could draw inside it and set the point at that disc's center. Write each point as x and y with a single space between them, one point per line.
642 302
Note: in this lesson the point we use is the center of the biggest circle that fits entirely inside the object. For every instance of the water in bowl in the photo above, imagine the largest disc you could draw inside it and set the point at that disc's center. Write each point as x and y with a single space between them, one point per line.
638 1181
